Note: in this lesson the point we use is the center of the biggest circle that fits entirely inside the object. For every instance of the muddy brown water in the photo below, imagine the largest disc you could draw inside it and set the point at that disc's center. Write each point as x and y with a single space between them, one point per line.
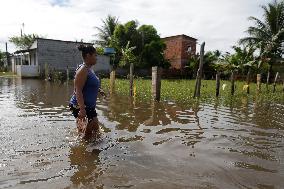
142 145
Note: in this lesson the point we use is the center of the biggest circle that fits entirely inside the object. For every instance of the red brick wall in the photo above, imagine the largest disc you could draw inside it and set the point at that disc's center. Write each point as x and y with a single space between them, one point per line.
176 50
173 50
185 44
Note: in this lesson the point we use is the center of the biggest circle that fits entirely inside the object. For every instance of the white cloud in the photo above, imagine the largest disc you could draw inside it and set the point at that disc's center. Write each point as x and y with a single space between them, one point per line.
220 23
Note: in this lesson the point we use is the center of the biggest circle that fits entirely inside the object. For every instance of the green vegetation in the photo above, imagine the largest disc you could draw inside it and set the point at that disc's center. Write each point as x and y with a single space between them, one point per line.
256 53
6 74
23 42
2 59
267 35
106 31
182 90
141 44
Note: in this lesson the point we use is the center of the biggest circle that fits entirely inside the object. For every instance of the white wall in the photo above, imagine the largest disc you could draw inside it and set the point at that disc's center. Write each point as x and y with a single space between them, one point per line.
14 69
27 71
102 64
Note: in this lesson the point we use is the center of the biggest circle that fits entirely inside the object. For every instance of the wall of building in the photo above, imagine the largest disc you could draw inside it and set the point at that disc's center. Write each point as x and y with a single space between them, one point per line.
103 64
185 55
27 71
172 52
176 51
57 54
60 54
33 58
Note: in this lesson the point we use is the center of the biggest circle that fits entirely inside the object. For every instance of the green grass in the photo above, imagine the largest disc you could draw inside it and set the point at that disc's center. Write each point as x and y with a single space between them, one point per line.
7 74
182 90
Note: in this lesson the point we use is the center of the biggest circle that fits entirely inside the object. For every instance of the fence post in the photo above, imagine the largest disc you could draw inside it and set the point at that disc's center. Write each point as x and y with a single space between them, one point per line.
232 83
217 84
268 80
156 83
112 80
131 79
199 72
275 81
248 80
7 57
258 81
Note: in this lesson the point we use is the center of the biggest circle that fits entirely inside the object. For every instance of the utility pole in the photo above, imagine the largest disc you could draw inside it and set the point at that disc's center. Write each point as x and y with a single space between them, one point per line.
7 55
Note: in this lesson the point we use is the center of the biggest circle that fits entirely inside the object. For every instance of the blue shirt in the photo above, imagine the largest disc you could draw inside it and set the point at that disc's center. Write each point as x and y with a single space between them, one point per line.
90 90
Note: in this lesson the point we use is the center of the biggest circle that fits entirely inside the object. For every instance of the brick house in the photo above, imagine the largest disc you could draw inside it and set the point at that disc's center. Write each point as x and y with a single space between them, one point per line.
179 49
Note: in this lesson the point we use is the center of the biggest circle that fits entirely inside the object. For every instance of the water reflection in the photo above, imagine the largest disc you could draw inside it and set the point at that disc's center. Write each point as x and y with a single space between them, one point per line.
158 115
85 161
219 143
131 114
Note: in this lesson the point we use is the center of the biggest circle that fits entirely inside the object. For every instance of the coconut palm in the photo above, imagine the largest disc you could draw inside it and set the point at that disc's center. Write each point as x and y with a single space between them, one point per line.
268 35
106 31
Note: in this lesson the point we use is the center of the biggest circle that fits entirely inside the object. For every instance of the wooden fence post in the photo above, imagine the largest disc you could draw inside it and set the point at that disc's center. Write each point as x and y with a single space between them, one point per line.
156 83
217 84
131 79
258 81
112 80
275 81
268 80
7 58
199 72
248 80
232 83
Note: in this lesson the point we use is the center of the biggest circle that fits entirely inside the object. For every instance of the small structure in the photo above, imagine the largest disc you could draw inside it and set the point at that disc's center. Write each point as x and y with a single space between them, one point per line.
54 55
179 49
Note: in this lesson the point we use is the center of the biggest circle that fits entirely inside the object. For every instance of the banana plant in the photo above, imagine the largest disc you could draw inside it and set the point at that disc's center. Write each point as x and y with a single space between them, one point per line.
127 55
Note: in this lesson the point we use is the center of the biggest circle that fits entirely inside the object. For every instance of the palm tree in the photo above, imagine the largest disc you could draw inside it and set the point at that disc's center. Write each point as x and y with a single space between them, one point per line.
106 31
268 35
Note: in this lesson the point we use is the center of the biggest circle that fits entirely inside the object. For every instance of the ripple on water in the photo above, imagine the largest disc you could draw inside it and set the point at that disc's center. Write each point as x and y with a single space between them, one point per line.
143 145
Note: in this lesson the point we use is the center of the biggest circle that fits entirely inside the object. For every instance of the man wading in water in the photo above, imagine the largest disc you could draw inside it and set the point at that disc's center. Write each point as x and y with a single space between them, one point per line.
86 89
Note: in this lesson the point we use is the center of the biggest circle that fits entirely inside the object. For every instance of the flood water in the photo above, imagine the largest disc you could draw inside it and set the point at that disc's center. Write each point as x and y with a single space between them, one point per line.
143 145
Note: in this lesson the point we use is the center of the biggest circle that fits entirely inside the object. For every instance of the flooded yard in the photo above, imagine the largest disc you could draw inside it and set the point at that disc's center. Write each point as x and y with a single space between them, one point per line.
204 144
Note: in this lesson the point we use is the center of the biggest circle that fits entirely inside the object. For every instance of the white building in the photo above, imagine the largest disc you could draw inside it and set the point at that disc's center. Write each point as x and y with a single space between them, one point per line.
52 55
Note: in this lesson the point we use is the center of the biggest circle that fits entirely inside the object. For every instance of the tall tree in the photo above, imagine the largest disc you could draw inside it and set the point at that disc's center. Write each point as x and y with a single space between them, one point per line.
152 55
148 45
210 58
106 31
268 34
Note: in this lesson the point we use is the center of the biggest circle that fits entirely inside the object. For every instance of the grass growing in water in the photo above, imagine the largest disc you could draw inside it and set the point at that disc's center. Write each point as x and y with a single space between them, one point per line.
7 74
182 90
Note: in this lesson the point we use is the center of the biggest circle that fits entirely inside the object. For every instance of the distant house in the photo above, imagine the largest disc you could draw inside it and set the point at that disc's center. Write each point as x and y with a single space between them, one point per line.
52 55
179 49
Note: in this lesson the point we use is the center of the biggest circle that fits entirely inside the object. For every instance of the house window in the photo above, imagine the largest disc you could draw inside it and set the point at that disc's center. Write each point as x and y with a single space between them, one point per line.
188 50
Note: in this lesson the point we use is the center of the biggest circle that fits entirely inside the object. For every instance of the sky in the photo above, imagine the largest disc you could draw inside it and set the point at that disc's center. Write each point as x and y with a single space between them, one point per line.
220 23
